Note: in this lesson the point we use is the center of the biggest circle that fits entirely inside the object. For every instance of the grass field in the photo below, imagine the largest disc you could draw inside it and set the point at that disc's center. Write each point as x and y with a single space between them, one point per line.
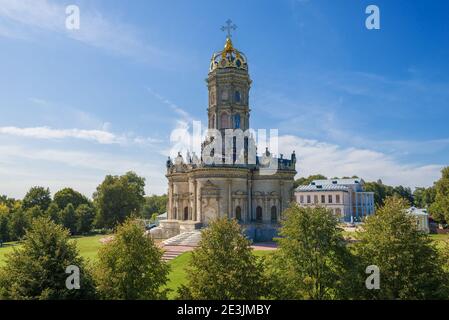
87 246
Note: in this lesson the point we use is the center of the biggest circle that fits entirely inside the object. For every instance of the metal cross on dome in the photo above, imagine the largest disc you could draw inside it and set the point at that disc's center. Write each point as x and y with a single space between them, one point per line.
229 26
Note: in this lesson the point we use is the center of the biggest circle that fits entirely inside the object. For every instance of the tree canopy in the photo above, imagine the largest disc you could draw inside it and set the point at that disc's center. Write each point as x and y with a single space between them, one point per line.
130 267
37 197
117 198
223 266
410 266
37 269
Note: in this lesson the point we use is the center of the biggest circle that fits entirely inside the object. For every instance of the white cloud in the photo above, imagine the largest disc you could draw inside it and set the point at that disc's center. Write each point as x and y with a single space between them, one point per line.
23 166
332 160
98 136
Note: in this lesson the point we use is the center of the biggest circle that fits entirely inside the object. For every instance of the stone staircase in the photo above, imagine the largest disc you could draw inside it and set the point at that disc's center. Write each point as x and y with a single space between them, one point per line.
180 244
189 239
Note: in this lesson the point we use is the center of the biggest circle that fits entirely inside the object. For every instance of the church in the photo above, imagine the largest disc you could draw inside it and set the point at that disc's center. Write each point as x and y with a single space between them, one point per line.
236 182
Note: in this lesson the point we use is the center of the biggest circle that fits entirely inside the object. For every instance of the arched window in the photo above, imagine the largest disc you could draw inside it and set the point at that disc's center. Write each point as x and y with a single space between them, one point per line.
237 121
274 214
186 213
238 213
338 212
224 121
259 215
237 96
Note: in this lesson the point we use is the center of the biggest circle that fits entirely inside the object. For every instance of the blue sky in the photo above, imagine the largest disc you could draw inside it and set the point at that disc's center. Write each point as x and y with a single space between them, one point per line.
77 105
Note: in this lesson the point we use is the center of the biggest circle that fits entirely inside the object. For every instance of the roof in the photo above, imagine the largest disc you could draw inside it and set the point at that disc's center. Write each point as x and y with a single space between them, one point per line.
338 181
417 212
324 187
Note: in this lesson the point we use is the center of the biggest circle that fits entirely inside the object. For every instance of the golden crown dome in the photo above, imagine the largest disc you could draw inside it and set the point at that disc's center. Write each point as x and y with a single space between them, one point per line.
229 57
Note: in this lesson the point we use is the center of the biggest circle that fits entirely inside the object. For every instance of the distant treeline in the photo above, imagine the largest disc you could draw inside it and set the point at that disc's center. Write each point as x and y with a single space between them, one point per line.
115 199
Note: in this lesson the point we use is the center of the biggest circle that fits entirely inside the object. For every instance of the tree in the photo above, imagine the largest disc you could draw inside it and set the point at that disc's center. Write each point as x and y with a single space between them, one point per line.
34 212
85 216
117 198
424 197
37 270
4 223
312 261
223 266
440 208
130 267
67 195
37 196
69 219
18 224
154 204
54 213
305 181
410 266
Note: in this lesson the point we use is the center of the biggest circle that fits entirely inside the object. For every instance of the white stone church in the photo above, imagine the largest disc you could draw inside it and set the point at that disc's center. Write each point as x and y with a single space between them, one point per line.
233 186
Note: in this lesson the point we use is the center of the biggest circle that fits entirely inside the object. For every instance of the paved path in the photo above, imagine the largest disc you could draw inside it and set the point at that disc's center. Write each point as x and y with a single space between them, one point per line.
188 241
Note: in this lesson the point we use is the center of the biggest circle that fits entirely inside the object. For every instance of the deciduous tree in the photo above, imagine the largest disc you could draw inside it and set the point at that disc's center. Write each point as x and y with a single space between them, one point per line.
37 269
223 267
130 267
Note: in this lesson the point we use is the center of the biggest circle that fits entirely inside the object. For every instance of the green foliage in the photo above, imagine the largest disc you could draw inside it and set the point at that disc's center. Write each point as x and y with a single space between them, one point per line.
68 196
130 267
305 181
69 218
34 213
117 198
36 271
18 224
312 261
54 213
37 196
85 215
154 204
410 267
223 266
440 208
4 224
424 197
381 192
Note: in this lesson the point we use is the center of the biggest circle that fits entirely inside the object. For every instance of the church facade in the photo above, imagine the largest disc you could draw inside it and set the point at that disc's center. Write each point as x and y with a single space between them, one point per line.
234 184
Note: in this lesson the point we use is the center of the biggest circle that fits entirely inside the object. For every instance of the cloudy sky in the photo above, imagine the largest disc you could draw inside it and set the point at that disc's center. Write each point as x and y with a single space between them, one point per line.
76 105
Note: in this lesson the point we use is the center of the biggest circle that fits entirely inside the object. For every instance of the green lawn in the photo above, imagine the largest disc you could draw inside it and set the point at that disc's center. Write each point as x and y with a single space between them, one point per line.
88 247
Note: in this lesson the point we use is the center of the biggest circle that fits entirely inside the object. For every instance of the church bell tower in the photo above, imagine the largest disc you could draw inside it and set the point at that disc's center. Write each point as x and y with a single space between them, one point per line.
229 85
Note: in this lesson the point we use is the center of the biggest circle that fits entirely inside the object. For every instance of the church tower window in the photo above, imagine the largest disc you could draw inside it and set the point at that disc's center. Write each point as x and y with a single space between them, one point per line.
237 96
224 121
237 121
